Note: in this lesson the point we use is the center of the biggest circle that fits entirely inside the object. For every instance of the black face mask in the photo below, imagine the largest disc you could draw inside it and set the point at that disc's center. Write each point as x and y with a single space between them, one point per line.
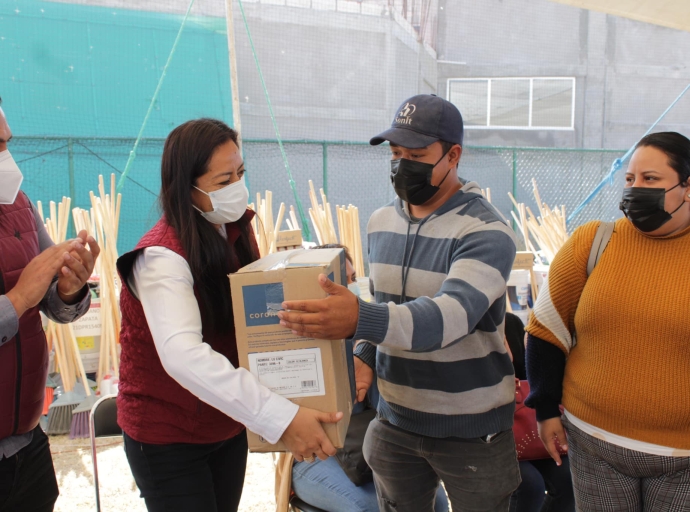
644 207
412 180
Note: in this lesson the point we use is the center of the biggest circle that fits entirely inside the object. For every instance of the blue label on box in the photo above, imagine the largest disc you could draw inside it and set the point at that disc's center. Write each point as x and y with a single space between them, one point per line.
262 303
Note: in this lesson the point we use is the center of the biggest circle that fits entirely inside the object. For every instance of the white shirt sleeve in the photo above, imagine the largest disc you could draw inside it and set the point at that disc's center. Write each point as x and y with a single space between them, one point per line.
163 282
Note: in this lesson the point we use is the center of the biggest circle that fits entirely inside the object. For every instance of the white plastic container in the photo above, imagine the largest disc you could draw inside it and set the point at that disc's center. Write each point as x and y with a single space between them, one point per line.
519 293
541 273
90 362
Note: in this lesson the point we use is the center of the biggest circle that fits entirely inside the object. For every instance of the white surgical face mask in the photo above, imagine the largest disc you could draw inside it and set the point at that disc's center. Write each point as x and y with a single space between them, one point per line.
10 178
229 203
354 288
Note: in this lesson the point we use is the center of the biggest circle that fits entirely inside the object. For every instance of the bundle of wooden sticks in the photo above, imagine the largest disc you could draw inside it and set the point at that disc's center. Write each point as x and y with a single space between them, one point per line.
102 222
348 226
546 232
265 228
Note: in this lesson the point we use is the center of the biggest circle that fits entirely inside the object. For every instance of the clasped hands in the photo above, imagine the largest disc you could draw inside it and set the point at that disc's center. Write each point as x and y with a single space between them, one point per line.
70 261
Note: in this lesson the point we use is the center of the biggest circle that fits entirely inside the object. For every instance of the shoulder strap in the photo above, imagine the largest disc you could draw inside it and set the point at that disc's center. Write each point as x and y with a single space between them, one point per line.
601 240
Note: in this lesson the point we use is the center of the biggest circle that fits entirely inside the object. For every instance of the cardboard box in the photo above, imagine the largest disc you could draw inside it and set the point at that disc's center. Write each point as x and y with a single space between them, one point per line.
524 260
311 373
289 239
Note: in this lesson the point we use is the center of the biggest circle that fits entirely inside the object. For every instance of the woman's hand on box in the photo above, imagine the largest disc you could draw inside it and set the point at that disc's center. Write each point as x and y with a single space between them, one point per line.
332 318
305 436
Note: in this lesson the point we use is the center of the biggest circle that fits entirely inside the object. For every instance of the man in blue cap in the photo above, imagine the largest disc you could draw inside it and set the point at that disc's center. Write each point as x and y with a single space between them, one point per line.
439 259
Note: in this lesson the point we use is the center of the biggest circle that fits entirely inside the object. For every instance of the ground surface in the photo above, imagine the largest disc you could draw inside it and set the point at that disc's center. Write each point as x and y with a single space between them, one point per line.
72 459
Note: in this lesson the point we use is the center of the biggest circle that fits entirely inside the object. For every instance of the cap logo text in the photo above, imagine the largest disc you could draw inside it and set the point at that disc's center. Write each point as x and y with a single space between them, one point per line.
405 114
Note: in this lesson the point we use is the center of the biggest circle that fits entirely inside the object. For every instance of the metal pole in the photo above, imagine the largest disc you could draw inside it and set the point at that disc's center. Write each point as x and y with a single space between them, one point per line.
234 88
72 187
515 227
324 166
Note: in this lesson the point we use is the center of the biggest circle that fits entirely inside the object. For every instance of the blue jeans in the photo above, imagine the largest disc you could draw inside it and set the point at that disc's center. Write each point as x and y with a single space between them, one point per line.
323 484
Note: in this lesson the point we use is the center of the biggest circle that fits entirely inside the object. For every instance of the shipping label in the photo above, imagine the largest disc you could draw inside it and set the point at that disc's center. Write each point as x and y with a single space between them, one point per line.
290 373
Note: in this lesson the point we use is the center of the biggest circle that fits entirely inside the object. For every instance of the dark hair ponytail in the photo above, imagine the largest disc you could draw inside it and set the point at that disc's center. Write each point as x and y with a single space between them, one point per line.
676 147
186 155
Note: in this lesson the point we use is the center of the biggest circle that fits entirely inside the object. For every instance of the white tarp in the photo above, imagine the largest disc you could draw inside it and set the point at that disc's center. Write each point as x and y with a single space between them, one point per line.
668 13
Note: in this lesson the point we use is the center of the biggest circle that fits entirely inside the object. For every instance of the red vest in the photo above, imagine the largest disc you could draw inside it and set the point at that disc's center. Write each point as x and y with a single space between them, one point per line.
24 358
152 407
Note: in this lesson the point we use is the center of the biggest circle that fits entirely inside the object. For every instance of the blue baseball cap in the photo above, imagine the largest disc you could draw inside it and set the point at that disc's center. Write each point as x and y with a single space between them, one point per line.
422 120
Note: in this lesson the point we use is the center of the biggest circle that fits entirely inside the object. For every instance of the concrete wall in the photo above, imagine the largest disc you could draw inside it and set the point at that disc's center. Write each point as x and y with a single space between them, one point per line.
340 76
330 75
627 72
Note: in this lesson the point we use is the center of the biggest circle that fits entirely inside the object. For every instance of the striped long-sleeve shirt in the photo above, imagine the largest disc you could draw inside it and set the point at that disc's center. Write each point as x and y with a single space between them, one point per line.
442 367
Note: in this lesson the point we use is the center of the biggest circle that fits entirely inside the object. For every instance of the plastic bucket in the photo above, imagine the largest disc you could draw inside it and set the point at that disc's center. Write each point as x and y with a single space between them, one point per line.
541 273
519 294
90 362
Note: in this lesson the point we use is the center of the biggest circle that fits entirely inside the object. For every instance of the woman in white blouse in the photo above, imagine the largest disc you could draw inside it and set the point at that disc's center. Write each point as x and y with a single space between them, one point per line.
183 400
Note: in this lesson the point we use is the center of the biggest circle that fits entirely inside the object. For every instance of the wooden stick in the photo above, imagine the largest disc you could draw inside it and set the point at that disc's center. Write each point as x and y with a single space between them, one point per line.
329 221
312 195
269 211
80 364
535 190
67 373
78 220
112 193
53 215
117 215
293 216
316 222
66 213
253 221
358 244
533 284
339 217
316 227
101 187
279 222
52 326
60 218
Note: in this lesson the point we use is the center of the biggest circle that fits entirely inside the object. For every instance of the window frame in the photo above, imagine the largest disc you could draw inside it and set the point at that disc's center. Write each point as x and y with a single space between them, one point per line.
531 79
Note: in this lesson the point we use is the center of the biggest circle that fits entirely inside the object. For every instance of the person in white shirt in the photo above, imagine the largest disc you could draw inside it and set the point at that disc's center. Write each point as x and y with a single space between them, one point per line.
183 401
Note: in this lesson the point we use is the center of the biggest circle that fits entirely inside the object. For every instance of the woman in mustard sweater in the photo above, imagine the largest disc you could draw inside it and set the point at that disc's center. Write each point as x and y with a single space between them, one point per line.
625 381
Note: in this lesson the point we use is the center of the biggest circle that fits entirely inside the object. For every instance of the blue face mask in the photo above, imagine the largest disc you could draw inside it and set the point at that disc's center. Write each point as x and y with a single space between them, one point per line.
354 288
